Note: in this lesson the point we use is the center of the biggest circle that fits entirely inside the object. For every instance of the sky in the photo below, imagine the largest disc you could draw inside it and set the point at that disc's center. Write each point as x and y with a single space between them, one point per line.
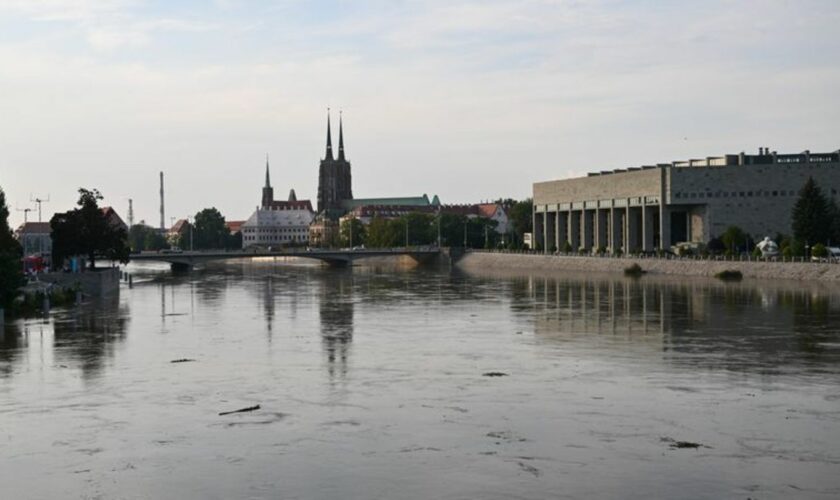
470 100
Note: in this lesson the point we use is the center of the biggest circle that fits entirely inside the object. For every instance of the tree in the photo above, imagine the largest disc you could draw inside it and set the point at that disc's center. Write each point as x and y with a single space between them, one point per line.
11 275
210 231
142 237
358 233
521 217
811 222
86 231
383 233
733 239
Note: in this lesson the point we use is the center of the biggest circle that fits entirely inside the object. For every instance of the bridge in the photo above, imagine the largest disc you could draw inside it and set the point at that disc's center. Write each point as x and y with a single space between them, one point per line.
184 261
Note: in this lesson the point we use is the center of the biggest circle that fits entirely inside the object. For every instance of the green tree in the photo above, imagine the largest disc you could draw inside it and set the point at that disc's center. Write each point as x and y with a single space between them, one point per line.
384 233
733 239
811 221
142 237
521 219
358 233
422 228
86 231
11 275
209 230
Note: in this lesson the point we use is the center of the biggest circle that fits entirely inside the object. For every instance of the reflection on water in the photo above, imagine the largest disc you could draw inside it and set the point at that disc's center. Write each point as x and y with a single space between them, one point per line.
370 386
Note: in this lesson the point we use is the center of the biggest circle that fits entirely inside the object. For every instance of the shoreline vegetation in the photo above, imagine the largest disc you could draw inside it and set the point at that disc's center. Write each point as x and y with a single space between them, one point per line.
723 269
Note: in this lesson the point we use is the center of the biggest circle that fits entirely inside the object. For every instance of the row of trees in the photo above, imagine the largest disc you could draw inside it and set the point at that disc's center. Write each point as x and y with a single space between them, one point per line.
207 232
11 274
421 229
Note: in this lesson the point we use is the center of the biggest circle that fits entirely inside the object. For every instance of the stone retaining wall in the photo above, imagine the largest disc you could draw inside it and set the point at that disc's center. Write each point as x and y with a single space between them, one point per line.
92 283
478 261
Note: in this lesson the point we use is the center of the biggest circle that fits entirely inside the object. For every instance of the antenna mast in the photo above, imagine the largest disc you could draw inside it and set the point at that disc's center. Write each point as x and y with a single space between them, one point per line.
39 201
25 213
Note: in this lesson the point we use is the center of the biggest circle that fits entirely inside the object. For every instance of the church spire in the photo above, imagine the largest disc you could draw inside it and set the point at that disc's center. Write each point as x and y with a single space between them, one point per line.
329 155
340 137
267 178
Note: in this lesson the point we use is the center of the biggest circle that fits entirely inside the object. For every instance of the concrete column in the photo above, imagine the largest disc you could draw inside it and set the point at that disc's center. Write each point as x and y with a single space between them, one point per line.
574 230
625 236
563 229
664 227
557 216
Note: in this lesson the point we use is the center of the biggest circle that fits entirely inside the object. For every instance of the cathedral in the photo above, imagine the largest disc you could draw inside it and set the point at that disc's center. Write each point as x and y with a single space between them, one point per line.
334 178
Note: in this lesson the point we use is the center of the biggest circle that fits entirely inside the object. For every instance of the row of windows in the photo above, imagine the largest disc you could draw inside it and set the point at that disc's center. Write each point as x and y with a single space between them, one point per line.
268 239
737 194
275 230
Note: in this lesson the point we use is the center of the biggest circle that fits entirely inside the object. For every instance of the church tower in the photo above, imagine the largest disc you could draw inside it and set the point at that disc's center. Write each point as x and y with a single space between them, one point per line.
267 190
334 177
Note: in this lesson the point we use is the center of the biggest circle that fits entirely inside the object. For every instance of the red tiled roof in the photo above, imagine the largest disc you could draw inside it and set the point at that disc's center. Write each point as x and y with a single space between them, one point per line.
234 226
179 226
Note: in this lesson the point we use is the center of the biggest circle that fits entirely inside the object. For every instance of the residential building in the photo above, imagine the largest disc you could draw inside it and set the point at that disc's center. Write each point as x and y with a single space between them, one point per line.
35 238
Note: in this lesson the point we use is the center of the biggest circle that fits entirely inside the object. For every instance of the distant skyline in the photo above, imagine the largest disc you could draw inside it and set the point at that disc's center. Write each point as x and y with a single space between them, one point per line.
469 100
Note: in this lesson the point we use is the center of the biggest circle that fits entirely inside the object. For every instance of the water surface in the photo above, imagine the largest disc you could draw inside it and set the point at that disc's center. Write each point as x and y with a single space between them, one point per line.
371 384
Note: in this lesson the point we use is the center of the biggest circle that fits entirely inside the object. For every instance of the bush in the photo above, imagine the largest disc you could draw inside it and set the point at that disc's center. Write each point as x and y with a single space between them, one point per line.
567 247
819 250
756 252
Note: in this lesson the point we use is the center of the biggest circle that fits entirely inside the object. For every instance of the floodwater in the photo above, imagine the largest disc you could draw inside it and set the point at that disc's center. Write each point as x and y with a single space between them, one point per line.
371 385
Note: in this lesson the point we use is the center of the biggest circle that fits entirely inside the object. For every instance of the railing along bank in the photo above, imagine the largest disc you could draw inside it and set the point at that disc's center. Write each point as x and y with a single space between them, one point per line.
704 258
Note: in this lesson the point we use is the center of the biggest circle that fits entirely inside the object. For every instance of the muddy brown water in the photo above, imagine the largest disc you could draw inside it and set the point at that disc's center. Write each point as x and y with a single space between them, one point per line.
371 384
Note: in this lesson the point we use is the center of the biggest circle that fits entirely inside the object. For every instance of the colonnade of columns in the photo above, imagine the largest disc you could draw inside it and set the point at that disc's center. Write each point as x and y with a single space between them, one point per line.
611 229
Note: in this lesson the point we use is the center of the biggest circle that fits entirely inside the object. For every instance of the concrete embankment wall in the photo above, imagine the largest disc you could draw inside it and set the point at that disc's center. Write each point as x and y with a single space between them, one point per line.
92 283
482 261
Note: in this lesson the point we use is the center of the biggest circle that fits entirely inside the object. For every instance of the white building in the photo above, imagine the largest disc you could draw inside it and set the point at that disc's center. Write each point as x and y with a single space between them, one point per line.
277 223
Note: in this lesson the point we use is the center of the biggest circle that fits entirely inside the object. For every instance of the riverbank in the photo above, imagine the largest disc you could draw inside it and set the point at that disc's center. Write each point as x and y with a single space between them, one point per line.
802 271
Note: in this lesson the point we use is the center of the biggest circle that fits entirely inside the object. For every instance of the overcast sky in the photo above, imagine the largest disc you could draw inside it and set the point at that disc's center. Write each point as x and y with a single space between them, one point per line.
470 100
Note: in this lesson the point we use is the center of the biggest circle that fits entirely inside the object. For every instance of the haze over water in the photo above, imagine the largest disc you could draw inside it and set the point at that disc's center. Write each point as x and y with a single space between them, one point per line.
371 384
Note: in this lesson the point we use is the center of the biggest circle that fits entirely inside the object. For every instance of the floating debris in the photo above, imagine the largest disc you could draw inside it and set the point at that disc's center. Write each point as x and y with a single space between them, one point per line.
730 275
494 374
680 445
635 270
241 410
182 360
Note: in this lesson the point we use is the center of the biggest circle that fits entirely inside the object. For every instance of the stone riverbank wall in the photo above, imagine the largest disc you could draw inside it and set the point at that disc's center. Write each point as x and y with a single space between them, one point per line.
808 271
92 283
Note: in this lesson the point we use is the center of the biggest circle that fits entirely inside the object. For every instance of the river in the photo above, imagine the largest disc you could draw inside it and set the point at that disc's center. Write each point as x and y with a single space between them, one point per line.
386 383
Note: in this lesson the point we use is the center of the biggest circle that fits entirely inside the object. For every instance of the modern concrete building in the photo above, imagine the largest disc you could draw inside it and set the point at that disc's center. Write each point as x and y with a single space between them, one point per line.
657 206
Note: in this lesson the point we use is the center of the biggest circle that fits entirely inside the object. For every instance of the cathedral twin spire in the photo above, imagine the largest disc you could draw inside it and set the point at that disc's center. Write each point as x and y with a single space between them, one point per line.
329 154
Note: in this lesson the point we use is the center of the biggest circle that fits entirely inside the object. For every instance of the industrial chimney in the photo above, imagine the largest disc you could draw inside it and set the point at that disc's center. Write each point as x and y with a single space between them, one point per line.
162 227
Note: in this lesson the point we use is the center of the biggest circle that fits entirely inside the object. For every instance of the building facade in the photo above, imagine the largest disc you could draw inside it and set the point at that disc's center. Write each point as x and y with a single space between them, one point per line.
657 206
35 238
334 176
277 222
